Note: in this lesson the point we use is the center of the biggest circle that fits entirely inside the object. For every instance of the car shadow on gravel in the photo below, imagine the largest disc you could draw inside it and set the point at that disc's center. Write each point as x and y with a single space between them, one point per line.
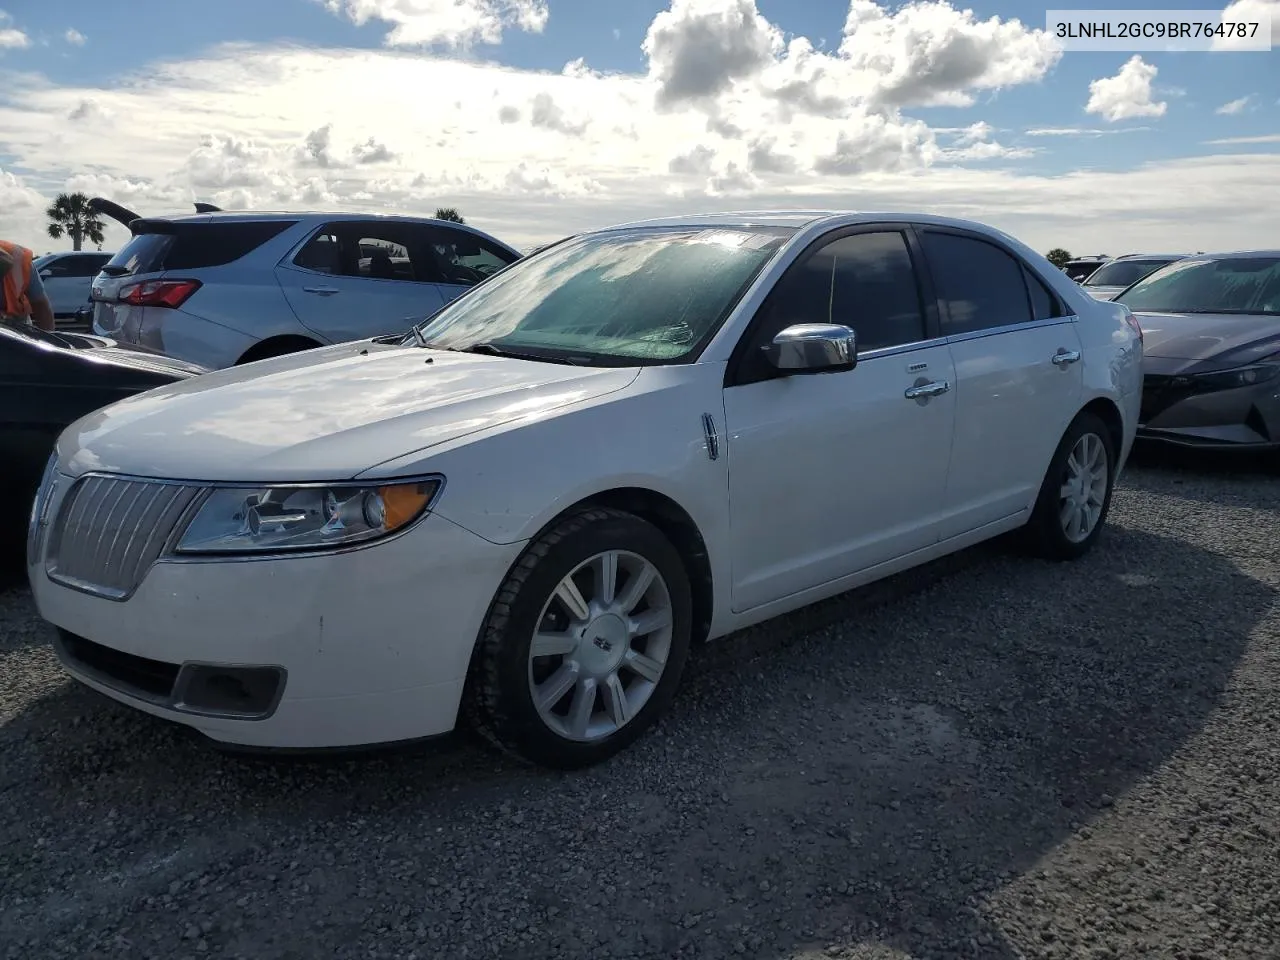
856 778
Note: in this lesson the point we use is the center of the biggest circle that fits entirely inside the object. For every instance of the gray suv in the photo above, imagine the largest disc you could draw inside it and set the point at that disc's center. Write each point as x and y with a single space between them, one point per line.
223 288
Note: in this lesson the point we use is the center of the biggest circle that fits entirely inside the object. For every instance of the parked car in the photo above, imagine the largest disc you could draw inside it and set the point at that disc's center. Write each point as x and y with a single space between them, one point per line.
1212 364
1081 268
1112 277
524 511
68 277
49 380
220 289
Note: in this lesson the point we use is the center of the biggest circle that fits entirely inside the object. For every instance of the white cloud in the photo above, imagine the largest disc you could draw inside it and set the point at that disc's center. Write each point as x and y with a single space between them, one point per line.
75 37
1245 141
11 38
1080 131
449 23
1231 108
1250 11
1126 95
533 155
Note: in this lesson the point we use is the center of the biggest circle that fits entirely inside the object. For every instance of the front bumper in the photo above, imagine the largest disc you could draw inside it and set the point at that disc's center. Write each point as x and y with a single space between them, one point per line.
367 646
1176 411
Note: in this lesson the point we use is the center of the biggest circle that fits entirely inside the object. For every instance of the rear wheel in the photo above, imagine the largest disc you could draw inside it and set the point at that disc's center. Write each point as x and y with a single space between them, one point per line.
278 347
1076 494
585 643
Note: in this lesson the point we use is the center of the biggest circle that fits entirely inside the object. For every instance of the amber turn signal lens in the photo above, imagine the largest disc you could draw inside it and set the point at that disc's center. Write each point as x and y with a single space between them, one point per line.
403 502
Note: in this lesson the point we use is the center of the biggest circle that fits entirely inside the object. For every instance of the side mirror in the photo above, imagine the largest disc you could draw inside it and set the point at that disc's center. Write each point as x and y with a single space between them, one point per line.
813 348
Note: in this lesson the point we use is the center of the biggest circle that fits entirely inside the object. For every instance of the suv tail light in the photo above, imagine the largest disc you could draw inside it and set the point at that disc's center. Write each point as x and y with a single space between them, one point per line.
159 293
1132 321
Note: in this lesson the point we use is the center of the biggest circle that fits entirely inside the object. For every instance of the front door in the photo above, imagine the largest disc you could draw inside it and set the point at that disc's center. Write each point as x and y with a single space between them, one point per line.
353 280
1017 371
833 473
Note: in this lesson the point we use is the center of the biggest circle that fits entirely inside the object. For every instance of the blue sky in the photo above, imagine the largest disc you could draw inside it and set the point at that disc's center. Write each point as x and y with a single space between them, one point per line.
129 52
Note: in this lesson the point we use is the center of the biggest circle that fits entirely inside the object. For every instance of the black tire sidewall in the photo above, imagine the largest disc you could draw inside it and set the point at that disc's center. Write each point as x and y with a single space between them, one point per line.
519 727
1050 540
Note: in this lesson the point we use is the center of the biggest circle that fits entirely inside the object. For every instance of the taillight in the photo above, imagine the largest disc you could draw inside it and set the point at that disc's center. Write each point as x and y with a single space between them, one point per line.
1132 321
159 293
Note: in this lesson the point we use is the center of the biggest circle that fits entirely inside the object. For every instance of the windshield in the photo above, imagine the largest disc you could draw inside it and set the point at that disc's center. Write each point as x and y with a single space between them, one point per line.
1080 269
1121 273
1233 285
635 297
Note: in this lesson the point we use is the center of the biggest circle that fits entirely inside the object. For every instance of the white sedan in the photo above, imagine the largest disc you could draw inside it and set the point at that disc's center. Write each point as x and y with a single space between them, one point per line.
522 514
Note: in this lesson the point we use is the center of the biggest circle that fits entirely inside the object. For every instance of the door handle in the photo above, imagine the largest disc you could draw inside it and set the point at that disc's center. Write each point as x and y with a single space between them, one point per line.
1064 357
927 390
323 291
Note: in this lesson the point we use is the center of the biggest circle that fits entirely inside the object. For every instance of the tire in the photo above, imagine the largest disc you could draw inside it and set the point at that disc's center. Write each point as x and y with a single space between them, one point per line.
1046 534
506 681
277 348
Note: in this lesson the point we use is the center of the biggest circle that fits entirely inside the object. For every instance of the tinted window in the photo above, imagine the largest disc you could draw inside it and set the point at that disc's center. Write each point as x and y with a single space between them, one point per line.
373 251
80 266
467 259
979 285
865 281
1234 285
214 244
190 246
1121 273
1044 302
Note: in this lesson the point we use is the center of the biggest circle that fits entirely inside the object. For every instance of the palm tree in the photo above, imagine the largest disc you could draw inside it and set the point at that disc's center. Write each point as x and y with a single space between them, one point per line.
70 215
449 213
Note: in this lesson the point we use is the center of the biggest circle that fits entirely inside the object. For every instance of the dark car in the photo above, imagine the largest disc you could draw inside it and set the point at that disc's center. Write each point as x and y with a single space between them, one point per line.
1211 350
1081 268
48 381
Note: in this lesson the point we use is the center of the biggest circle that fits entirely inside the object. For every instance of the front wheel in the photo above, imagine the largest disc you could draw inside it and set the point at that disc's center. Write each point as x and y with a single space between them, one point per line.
1076 494
585 642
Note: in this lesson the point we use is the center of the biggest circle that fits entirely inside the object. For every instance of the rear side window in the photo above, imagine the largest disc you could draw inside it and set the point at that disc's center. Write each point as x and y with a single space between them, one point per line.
979 285
191 246
1044 303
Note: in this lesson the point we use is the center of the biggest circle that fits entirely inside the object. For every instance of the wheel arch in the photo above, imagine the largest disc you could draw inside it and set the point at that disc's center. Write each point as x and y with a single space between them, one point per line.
278 346
1106 410
676 525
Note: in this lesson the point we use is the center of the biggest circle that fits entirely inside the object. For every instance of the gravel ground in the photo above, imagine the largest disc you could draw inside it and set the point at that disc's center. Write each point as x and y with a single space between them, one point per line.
989 758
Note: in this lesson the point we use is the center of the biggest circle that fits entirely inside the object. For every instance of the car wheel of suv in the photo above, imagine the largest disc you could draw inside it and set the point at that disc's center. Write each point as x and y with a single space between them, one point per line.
1076 494
583 647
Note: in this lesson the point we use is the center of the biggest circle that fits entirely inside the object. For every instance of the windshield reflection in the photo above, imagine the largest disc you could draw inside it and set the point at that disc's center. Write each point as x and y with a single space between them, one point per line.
655 295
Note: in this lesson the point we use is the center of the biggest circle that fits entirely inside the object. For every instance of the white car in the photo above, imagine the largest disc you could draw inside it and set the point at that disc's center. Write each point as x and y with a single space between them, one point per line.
524 512
68 278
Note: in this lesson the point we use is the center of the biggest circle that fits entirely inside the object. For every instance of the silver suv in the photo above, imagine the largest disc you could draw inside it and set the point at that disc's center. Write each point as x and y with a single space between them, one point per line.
223 288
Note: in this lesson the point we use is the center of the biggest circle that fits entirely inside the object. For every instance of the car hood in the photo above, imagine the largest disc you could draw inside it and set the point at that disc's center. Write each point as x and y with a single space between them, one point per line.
324 414
1211 339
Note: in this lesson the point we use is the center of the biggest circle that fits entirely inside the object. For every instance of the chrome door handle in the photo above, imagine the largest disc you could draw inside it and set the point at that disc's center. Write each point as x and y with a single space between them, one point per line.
1064 357
927 390
323 291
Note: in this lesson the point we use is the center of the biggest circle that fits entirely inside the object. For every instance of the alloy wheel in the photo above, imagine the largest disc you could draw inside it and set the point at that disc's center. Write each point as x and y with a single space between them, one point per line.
1084 489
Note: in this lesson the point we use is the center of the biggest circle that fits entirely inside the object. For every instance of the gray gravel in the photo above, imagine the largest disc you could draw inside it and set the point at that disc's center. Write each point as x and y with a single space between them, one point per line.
990 758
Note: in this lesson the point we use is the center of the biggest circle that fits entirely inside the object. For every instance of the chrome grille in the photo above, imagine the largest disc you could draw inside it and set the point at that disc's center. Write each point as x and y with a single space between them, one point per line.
110 530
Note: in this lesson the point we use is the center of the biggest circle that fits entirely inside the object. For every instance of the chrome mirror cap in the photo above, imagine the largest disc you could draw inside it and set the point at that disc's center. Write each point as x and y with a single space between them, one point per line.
813 348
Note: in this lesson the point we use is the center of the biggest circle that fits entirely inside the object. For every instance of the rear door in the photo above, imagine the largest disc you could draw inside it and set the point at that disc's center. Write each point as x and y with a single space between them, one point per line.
353 279
1018 378
465 259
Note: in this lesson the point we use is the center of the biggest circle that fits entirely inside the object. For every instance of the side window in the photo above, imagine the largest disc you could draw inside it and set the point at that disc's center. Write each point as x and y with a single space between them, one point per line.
83 266
56 268
1044 303
979 285
372 251
464 258
865 281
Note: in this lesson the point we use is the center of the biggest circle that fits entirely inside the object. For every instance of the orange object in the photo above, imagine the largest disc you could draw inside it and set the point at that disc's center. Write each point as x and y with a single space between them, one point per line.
402 503
16 278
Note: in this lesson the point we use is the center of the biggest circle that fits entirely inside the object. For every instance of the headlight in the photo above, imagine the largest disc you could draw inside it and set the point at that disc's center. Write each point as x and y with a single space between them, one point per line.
291 518
1241 376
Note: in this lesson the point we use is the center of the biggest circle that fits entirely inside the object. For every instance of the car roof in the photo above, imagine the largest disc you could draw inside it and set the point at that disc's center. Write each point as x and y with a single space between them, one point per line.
246 216
1235 255
798 219
1153 256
